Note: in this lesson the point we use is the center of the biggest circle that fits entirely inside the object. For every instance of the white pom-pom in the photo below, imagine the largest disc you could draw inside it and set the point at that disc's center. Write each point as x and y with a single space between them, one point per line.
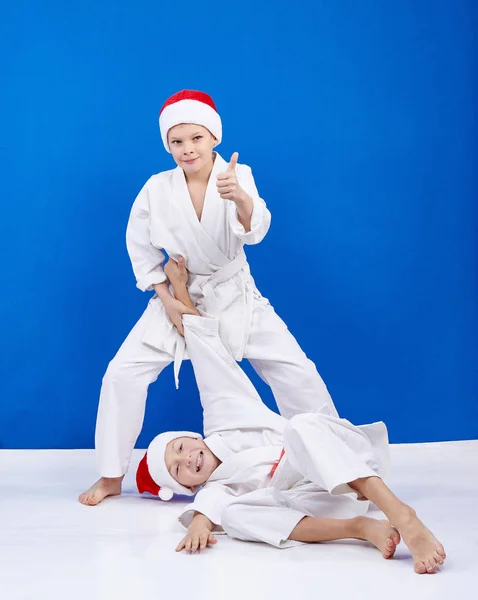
165 493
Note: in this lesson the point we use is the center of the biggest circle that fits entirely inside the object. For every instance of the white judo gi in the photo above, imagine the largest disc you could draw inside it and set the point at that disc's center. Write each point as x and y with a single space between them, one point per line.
322 452
163 218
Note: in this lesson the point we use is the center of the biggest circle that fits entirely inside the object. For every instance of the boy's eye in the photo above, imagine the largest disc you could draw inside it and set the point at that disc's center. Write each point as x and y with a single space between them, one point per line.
198 137
176 142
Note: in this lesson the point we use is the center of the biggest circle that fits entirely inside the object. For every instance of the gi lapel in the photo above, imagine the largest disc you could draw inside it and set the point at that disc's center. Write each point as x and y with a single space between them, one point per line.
206 247
238 467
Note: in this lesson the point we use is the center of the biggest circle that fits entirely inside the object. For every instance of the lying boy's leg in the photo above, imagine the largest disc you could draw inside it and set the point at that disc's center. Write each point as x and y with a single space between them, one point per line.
426 550
332 453
260 516
275 355
379 533
264 516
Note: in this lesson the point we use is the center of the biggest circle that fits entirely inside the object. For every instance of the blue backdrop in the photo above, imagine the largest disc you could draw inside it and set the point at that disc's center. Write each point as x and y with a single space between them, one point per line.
359 121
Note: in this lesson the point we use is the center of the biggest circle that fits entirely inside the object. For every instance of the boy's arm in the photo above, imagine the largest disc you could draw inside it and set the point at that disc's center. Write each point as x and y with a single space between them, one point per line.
178 277
245 208
181 293
250 218
210 502
202 520
146 259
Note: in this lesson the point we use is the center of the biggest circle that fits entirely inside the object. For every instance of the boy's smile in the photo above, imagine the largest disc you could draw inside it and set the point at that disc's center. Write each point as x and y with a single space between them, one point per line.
192 147
189 461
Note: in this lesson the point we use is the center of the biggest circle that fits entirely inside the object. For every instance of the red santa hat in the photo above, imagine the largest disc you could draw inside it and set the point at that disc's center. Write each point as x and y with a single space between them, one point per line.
189 106
153 476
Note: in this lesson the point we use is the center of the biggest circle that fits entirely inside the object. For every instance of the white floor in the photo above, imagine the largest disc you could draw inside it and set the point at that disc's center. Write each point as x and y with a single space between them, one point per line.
52 547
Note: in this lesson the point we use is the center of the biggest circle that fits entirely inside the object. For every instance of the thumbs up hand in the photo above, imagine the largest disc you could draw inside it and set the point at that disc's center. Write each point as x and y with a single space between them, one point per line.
227 185
231 167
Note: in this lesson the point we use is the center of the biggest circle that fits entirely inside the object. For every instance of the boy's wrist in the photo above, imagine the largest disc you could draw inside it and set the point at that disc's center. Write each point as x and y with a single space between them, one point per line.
181 292
180 287
162 291
242 199
200 518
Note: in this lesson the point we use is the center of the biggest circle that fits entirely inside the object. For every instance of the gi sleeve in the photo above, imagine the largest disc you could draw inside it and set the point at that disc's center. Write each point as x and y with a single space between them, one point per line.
146 259
210 501
261 216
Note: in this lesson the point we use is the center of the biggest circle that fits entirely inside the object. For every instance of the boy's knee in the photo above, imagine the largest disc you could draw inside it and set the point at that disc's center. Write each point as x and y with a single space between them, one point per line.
118 372
112 372
296 425
297 422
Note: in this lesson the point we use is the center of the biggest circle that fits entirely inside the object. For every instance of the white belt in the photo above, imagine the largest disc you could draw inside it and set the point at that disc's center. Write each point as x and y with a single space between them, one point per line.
205 285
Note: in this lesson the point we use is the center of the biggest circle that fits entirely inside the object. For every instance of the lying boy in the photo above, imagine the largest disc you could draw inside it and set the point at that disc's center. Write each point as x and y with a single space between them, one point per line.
264 478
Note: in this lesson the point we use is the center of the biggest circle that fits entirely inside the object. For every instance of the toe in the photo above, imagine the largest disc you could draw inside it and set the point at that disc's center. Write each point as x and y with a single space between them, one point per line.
388 553
431 565
420 567
438 558
390 547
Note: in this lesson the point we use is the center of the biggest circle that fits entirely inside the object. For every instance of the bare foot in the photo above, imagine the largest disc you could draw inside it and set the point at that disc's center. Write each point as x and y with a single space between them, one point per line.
106 486
426 550
381 534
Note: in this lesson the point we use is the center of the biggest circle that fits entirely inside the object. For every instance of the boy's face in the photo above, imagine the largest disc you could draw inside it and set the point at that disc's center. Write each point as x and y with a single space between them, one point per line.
189 461
191 146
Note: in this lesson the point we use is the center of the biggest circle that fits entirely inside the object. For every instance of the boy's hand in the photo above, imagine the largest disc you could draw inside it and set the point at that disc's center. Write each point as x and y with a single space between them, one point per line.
176 272
182 304
176 309
227 185
197 538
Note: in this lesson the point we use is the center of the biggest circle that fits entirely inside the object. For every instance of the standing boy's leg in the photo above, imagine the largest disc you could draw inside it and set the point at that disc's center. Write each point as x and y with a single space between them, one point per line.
275 354
121 409
279 360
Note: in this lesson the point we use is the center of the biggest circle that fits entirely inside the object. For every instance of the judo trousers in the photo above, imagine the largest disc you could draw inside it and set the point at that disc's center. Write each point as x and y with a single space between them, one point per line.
271 349
322 456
